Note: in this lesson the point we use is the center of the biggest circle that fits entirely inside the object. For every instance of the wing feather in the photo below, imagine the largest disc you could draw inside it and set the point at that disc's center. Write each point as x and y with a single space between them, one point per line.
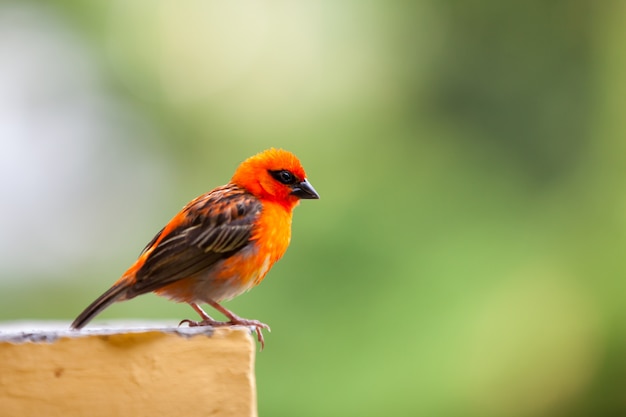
214 226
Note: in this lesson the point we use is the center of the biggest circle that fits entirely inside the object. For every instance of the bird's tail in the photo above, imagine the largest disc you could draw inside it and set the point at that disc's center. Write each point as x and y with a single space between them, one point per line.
116 293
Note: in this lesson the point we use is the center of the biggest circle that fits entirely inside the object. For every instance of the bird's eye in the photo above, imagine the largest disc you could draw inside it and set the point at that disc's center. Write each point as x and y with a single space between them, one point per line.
284 176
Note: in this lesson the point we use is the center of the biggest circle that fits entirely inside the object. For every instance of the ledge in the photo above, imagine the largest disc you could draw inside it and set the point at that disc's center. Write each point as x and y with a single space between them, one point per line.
127 369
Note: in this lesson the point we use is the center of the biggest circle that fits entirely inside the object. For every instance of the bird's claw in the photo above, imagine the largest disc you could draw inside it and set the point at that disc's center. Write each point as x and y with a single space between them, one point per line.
257 325
207 322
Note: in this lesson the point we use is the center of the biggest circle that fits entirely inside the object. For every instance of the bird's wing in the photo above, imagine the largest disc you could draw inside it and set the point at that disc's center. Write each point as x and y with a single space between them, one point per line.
214 226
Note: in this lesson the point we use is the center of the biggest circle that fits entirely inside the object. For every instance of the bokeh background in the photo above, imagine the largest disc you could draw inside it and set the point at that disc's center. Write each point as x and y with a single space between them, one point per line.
467 255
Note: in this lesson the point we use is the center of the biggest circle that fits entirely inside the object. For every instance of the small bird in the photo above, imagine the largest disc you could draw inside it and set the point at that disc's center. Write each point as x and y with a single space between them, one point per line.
220 244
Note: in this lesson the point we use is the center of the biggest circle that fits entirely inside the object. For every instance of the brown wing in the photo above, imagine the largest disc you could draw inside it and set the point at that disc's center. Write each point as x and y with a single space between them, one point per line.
212 227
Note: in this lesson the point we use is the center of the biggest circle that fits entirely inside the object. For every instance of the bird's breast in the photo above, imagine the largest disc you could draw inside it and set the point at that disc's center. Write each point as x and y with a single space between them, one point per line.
272 232
235 275
247 267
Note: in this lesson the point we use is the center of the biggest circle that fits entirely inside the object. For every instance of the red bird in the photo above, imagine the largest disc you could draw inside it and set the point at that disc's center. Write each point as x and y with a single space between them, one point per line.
221 244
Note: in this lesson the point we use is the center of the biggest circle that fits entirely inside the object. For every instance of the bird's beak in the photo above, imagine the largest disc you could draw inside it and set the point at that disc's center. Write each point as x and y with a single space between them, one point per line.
305 190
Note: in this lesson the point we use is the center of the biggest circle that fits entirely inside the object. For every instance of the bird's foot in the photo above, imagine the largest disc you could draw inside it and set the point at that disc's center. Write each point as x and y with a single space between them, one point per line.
205 322
257 325
235 321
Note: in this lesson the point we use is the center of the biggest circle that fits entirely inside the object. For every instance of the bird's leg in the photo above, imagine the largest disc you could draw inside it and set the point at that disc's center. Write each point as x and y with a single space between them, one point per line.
233 320
206 319
236 320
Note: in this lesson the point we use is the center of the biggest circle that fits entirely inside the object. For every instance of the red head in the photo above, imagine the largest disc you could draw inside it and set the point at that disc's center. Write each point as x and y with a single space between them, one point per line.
276 175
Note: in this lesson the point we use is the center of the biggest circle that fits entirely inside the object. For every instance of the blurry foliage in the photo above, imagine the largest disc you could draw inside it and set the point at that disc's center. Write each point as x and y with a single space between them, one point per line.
466 256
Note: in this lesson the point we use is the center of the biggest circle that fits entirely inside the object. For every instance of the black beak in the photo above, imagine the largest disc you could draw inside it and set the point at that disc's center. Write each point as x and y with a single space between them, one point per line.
305 190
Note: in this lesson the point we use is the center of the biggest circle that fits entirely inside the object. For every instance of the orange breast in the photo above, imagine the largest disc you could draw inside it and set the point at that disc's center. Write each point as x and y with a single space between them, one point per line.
270 238
273 232
243 270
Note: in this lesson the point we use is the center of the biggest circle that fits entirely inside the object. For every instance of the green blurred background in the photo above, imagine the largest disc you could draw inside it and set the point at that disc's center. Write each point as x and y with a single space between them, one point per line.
467 255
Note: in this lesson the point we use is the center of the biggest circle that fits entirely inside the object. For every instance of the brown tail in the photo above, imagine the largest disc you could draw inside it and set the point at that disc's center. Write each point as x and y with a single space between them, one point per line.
113 294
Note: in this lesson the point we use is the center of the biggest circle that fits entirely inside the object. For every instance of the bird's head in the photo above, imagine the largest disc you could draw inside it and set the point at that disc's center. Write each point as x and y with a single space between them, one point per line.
275 174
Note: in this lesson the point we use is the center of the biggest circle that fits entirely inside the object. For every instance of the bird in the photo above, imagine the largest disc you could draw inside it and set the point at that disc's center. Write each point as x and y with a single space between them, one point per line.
221 244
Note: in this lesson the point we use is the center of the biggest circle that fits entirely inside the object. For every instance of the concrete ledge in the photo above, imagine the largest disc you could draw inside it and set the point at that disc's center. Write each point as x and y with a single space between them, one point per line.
127 370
